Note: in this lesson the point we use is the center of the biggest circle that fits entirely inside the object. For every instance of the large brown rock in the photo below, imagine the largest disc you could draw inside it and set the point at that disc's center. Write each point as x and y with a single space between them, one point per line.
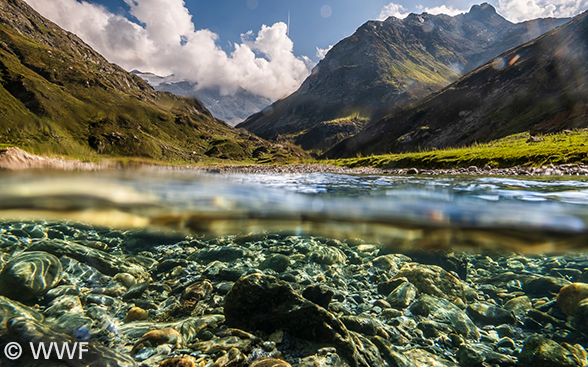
570 296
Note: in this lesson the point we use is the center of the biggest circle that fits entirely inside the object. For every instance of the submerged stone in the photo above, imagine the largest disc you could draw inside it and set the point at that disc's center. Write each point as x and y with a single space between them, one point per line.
433 280
30 275
402 296
570 296
444 311
27 331
490 314
260 302
542 352
158 337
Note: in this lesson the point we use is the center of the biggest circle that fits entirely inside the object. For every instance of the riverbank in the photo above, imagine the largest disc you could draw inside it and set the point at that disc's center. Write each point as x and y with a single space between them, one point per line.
16 159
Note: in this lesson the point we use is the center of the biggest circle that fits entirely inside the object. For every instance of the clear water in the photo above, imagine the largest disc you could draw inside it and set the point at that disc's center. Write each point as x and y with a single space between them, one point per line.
156 227
403 212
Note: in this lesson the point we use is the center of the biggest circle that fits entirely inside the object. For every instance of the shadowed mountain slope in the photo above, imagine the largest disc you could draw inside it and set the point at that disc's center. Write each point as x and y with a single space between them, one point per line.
541 86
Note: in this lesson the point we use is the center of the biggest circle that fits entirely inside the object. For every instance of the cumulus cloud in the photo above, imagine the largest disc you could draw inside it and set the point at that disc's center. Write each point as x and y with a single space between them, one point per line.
518 11
401 12
443 9
393 10
322 52
168 43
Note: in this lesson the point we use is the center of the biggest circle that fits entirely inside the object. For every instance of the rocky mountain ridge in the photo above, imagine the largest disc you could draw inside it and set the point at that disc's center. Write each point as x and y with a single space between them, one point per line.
540 86
388 64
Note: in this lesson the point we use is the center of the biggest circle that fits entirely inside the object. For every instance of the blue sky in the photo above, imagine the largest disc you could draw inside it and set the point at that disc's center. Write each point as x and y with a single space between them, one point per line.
312 23
234 44
308 28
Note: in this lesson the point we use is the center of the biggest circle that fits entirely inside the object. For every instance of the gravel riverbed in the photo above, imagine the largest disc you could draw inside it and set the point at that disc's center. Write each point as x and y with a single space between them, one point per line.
142 298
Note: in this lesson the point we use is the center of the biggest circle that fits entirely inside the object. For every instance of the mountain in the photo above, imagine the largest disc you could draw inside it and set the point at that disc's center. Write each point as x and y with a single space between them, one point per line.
232 108
57 95
540 86
391 63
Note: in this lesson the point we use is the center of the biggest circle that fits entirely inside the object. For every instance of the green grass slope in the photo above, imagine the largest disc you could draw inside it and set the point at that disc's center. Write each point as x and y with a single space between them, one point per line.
58 96
570 147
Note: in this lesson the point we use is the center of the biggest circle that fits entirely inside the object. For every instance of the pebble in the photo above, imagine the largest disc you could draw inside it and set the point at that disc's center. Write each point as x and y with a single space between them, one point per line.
136 313
158 337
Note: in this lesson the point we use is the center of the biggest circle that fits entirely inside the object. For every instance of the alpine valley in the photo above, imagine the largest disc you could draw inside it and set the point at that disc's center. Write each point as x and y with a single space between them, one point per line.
386 65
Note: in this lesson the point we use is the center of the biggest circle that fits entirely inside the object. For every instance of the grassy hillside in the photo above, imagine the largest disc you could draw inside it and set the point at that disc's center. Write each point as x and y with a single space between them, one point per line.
514 150
58 96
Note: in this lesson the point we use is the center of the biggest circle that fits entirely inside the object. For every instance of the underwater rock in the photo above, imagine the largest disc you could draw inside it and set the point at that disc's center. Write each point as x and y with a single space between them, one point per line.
223 344
385 262
402 296
10 308
490 314
136 313
450 262
269 362
103 262
260 302
327 255
28 331
433 280
197 291
364 325
581 314
30 275
518 305
367 350
73 324
64 304
422 358
444 311
319 294
126 279
276 262
434 329
570 296
223 254
542 352
158 337
386 287
136 291
233 358
178 362
475 355
544 286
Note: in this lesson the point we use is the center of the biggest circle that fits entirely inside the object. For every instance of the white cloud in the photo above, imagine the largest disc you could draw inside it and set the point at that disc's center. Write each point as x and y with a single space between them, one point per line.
168 43
393 10
443 9
322 52
518 10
